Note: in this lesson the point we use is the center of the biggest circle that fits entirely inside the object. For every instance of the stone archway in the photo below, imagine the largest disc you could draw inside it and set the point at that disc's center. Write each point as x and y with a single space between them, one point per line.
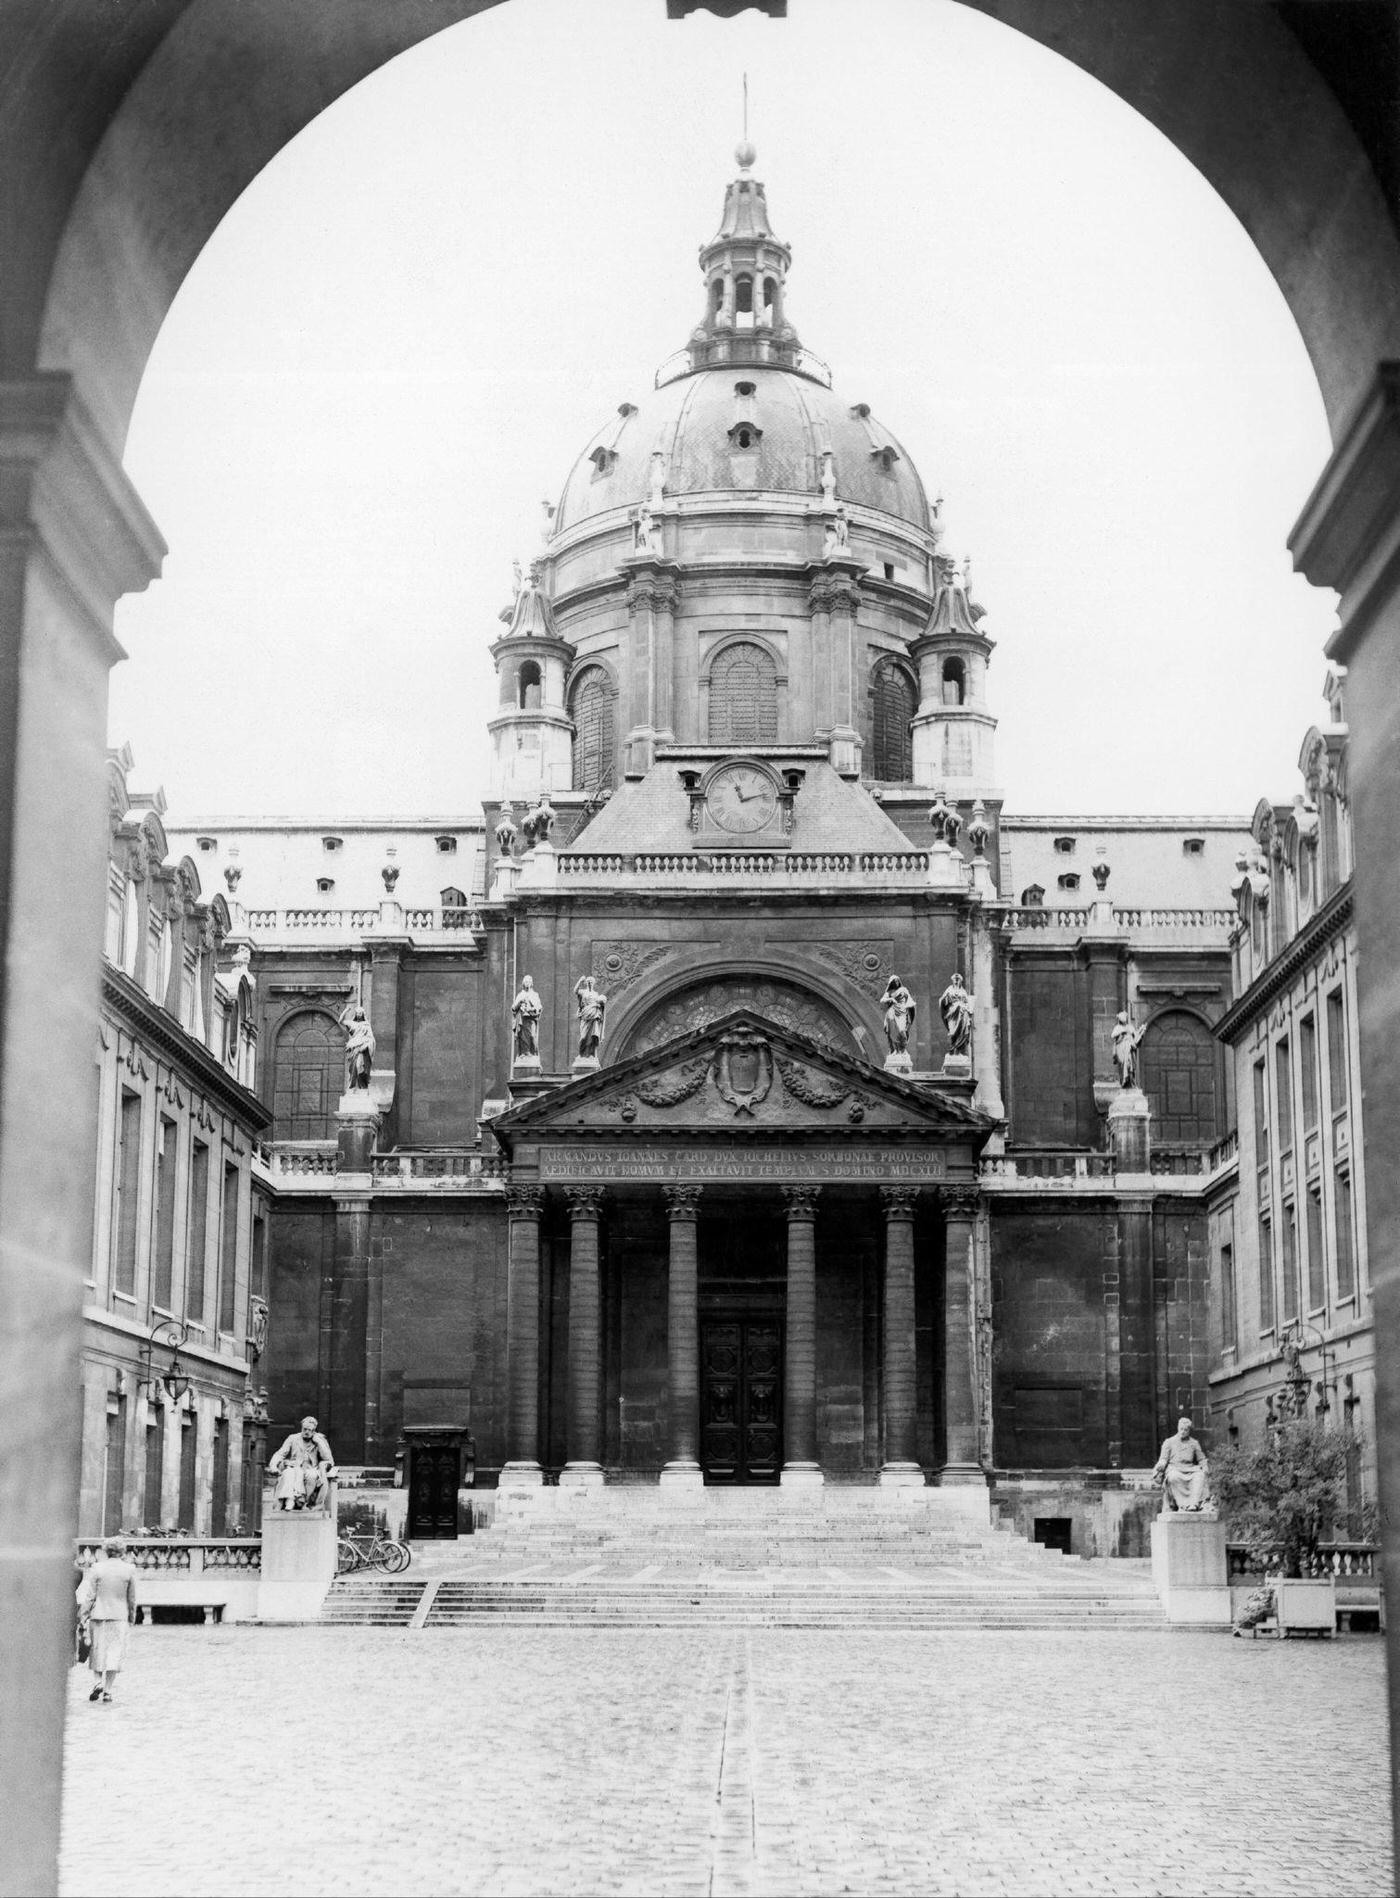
122 144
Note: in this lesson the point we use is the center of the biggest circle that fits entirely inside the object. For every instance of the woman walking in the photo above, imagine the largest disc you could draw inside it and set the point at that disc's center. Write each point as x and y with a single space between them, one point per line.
106 1610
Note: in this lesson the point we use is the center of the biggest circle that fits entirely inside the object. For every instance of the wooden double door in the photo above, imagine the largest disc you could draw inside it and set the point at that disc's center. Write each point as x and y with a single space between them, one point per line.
741 1397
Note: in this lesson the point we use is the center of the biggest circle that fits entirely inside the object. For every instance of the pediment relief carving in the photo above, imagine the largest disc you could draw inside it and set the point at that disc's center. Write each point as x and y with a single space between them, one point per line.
742 1074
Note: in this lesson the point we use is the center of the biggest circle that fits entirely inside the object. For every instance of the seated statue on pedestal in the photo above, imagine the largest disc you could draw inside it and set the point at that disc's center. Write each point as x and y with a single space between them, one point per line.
1181 1471
303 1468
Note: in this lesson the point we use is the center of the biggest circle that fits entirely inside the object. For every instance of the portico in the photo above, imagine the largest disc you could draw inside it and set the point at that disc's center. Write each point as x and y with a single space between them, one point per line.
744 1290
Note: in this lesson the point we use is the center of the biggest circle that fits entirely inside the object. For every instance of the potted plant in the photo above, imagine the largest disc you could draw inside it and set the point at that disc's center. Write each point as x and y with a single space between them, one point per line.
1281 1498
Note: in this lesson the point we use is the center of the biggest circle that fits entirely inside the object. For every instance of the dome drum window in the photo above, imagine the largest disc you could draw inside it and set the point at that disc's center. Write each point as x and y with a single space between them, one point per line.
895 701
594 745
743 696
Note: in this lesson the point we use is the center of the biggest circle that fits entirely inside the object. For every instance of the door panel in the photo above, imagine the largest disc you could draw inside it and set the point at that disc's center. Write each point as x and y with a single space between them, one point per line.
741 1387
432 1491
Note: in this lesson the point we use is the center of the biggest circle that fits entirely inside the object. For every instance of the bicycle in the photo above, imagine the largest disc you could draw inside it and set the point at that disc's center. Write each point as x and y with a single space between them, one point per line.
376 1551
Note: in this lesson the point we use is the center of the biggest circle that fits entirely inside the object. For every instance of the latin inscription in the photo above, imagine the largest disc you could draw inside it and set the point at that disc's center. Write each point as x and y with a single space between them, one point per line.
817 1164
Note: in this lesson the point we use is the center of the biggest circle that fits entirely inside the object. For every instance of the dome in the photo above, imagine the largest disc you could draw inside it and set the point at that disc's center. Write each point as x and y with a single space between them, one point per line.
743 427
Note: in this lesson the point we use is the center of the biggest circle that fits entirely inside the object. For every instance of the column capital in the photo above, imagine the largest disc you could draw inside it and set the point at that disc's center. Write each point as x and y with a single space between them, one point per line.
801 1201
899 1201
524 1202
960 1202
682 1202
585 1202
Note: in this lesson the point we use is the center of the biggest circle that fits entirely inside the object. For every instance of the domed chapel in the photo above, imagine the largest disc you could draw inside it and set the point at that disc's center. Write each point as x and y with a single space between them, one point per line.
741 1103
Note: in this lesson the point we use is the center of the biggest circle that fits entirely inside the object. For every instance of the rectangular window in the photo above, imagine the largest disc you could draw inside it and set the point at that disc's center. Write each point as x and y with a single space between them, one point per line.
228 1249
1290 1262
219 1524
1283 1108
1227 1298
1346 1237
1307 1062
1336 1052
163 1265
1261 1115
185 1518
115 1474
1266 1275
258 1266
1317 1261
155 1465
128 1191
199 1225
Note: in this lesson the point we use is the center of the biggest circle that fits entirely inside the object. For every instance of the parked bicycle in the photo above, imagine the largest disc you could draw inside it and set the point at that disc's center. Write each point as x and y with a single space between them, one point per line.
376 1551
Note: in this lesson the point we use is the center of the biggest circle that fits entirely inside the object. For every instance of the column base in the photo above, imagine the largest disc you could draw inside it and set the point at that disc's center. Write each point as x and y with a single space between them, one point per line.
962 1476
682 1476
801 1476
901 1476
581 1476
520 1476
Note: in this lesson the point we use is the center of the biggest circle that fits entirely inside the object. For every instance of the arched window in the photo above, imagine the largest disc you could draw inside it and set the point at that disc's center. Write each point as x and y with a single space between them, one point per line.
591 706
717 294
895 705
743 295
306 1079
744 696
954 682
1179 1066
527 692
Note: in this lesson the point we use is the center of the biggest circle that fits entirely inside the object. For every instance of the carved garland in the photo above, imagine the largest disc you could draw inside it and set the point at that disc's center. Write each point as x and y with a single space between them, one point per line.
804 1086
670 1091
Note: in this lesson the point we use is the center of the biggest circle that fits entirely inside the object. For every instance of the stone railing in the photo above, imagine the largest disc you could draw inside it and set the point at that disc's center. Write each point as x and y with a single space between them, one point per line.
292 1160
1144 921
805 361
1223 1152
1341 1561
345 925
180 1555
453 1169
1179 1165
793 869
1050 1163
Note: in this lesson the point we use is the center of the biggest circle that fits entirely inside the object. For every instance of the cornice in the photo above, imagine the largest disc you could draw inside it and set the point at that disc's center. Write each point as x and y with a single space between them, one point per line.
1334 915
132 1003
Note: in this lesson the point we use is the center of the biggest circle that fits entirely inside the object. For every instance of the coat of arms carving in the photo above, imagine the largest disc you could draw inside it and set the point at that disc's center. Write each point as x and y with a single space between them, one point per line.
743 1070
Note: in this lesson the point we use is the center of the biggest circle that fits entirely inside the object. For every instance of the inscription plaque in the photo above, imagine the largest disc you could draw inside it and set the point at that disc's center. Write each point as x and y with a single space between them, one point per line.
700 1164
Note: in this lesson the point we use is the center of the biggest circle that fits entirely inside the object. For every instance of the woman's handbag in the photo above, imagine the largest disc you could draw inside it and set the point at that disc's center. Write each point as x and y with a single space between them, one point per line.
84 1642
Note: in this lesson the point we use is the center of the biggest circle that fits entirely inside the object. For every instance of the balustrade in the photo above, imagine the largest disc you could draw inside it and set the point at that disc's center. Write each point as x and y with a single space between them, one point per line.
1341 1561
179 1555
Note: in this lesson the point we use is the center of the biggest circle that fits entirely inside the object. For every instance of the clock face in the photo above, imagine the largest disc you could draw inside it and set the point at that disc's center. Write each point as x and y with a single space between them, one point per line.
741 798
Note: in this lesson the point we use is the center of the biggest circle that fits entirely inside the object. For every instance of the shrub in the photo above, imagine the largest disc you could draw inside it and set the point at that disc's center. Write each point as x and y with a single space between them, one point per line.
1285 1493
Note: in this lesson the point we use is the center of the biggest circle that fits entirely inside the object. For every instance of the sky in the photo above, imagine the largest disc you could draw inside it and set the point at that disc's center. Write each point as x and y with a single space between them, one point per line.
405 331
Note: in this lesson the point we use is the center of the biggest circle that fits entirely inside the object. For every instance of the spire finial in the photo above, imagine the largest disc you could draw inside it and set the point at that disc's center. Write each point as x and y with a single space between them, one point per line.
744 152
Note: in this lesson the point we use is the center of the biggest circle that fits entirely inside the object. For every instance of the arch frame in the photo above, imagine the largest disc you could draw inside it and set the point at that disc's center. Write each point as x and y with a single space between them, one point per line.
727 641
862 1021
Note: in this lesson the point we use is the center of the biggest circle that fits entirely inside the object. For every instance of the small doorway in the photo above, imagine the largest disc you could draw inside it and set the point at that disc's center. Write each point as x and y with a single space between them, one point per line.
434 1478
741 1398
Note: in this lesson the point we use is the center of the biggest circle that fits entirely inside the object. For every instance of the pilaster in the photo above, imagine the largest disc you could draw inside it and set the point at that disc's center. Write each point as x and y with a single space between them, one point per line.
901 1467
682 1470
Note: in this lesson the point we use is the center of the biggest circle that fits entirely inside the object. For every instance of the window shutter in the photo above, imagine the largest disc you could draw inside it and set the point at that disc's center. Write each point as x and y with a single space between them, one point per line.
744 697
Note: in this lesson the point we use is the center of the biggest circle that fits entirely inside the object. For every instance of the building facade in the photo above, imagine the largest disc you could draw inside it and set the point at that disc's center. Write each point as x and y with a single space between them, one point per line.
769 1225
1292 1311
176 1308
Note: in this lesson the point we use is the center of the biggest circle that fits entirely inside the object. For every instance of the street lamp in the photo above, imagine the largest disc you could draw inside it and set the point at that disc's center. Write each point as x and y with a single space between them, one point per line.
171 1333
1296 1337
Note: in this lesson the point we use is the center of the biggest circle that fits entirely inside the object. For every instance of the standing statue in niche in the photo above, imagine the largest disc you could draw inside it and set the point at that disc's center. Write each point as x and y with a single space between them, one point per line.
525 1012
1126 1037
900 1009
955 1006
592 1011
359 1046
838 533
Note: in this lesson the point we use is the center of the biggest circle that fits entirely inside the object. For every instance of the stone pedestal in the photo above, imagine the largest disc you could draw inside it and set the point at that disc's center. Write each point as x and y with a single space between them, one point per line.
956 1067
1129 1121
1189 1570
298 1562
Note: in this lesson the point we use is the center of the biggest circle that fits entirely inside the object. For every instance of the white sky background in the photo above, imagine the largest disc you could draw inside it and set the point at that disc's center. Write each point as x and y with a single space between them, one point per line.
406 330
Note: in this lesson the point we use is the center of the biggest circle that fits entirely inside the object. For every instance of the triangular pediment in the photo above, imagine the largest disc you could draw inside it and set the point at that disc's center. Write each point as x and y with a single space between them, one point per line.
743 1075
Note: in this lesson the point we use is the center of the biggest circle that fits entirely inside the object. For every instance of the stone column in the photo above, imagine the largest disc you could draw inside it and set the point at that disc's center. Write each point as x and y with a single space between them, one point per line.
583 1467
525 1206
349 1336
800 1464
682 1470
961 1463
900 1468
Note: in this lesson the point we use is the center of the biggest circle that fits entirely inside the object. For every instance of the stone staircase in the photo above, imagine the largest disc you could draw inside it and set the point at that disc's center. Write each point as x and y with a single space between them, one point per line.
835 1558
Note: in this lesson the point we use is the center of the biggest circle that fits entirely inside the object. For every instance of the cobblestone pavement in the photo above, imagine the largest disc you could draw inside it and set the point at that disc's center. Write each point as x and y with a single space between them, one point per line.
728 1761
